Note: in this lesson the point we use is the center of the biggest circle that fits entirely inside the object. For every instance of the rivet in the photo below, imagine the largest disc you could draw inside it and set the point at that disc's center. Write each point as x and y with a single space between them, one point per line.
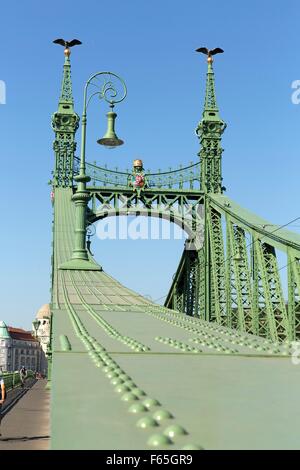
161 415
129 397
146 422
110 362
116 381
124 376
151 403
174 430
103 356
137 408
111 374
129 383
138 392
158 440
121 388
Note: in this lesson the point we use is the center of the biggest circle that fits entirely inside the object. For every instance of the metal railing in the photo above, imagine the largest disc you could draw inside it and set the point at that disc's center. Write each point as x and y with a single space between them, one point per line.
187 177
13 379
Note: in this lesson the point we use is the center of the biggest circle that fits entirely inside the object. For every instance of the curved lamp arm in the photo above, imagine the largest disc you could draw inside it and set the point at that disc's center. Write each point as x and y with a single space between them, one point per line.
107 91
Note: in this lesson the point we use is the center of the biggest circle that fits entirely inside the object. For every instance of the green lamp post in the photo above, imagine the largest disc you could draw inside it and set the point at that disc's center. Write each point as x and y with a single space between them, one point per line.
36 325
111 94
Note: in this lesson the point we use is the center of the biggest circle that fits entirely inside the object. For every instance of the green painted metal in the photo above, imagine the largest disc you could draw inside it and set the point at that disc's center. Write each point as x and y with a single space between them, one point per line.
184 178
182 207
153 373
226 287
209 131
185 295
217 267
65 123
80 257
65 343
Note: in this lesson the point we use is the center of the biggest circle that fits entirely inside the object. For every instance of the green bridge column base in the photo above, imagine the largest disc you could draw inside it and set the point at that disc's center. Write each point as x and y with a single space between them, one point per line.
80 264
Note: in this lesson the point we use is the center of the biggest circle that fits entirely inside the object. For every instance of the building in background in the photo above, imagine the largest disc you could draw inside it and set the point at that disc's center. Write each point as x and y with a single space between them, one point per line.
23 348
41 327
18 348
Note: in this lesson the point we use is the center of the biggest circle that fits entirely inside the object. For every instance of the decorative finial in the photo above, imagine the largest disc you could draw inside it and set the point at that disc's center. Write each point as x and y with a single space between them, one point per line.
67 45
210 52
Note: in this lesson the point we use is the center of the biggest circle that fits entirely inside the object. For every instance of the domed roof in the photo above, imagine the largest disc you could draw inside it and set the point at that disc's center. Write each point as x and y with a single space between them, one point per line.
44 312
3 330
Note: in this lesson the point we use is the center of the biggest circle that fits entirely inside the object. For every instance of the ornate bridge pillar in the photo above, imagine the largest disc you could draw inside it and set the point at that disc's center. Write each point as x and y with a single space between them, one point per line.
209 131
65 123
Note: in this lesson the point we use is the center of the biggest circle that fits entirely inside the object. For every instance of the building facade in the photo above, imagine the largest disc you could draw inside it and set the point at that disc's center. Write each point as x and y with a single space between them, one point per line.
18 348
23 348
43 334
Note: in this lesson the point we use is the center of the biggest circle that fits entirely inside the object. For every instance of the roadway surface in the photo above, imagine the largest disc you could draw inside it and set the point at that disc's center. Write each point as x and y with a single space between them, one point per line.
26 426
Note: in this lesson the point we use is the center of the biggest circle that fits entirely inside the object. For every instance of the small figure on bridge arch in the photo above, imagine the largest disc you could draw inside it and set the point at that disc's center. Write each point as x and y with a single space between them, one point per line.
138 179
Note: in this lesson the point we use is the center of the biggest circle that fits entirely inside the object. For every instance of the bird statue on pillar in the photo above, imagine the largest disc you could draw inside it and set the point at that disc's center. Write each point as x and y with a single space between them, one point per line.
67 44
210 52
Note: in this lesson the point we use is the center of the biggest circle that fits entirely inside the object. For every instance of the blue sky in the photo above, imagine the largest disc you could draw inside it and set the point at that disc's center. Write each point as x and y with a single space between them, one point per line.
151 45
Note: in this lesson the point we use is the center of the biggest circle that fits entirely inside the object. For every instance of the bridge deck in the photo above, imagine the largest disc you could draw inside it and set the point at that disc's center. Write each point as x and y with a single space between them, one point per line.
226 390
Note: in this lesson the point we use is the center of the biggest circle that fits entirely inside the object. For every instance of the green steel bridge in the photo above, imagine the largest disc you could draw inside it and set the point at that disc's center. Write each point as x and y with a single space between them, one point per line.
212 368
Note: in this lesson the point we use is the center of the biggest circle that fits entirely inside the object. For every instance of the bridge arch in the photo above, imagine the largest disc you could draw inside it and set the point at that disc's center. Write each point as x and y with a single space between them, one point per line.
194 230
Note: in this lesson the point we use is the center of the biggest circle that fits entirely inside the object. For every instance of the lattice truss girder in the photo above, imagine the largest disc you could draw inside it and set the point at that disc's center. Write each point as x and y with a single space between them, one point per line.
215 247
238 286
249 303
236 280
183 208
185 292
294 294
270 314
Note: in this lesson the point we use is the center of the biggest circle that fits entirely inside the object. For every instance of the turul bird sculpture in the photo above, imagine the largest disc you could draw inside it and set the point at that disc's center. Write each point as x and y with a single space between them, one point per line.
210 52
67 44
